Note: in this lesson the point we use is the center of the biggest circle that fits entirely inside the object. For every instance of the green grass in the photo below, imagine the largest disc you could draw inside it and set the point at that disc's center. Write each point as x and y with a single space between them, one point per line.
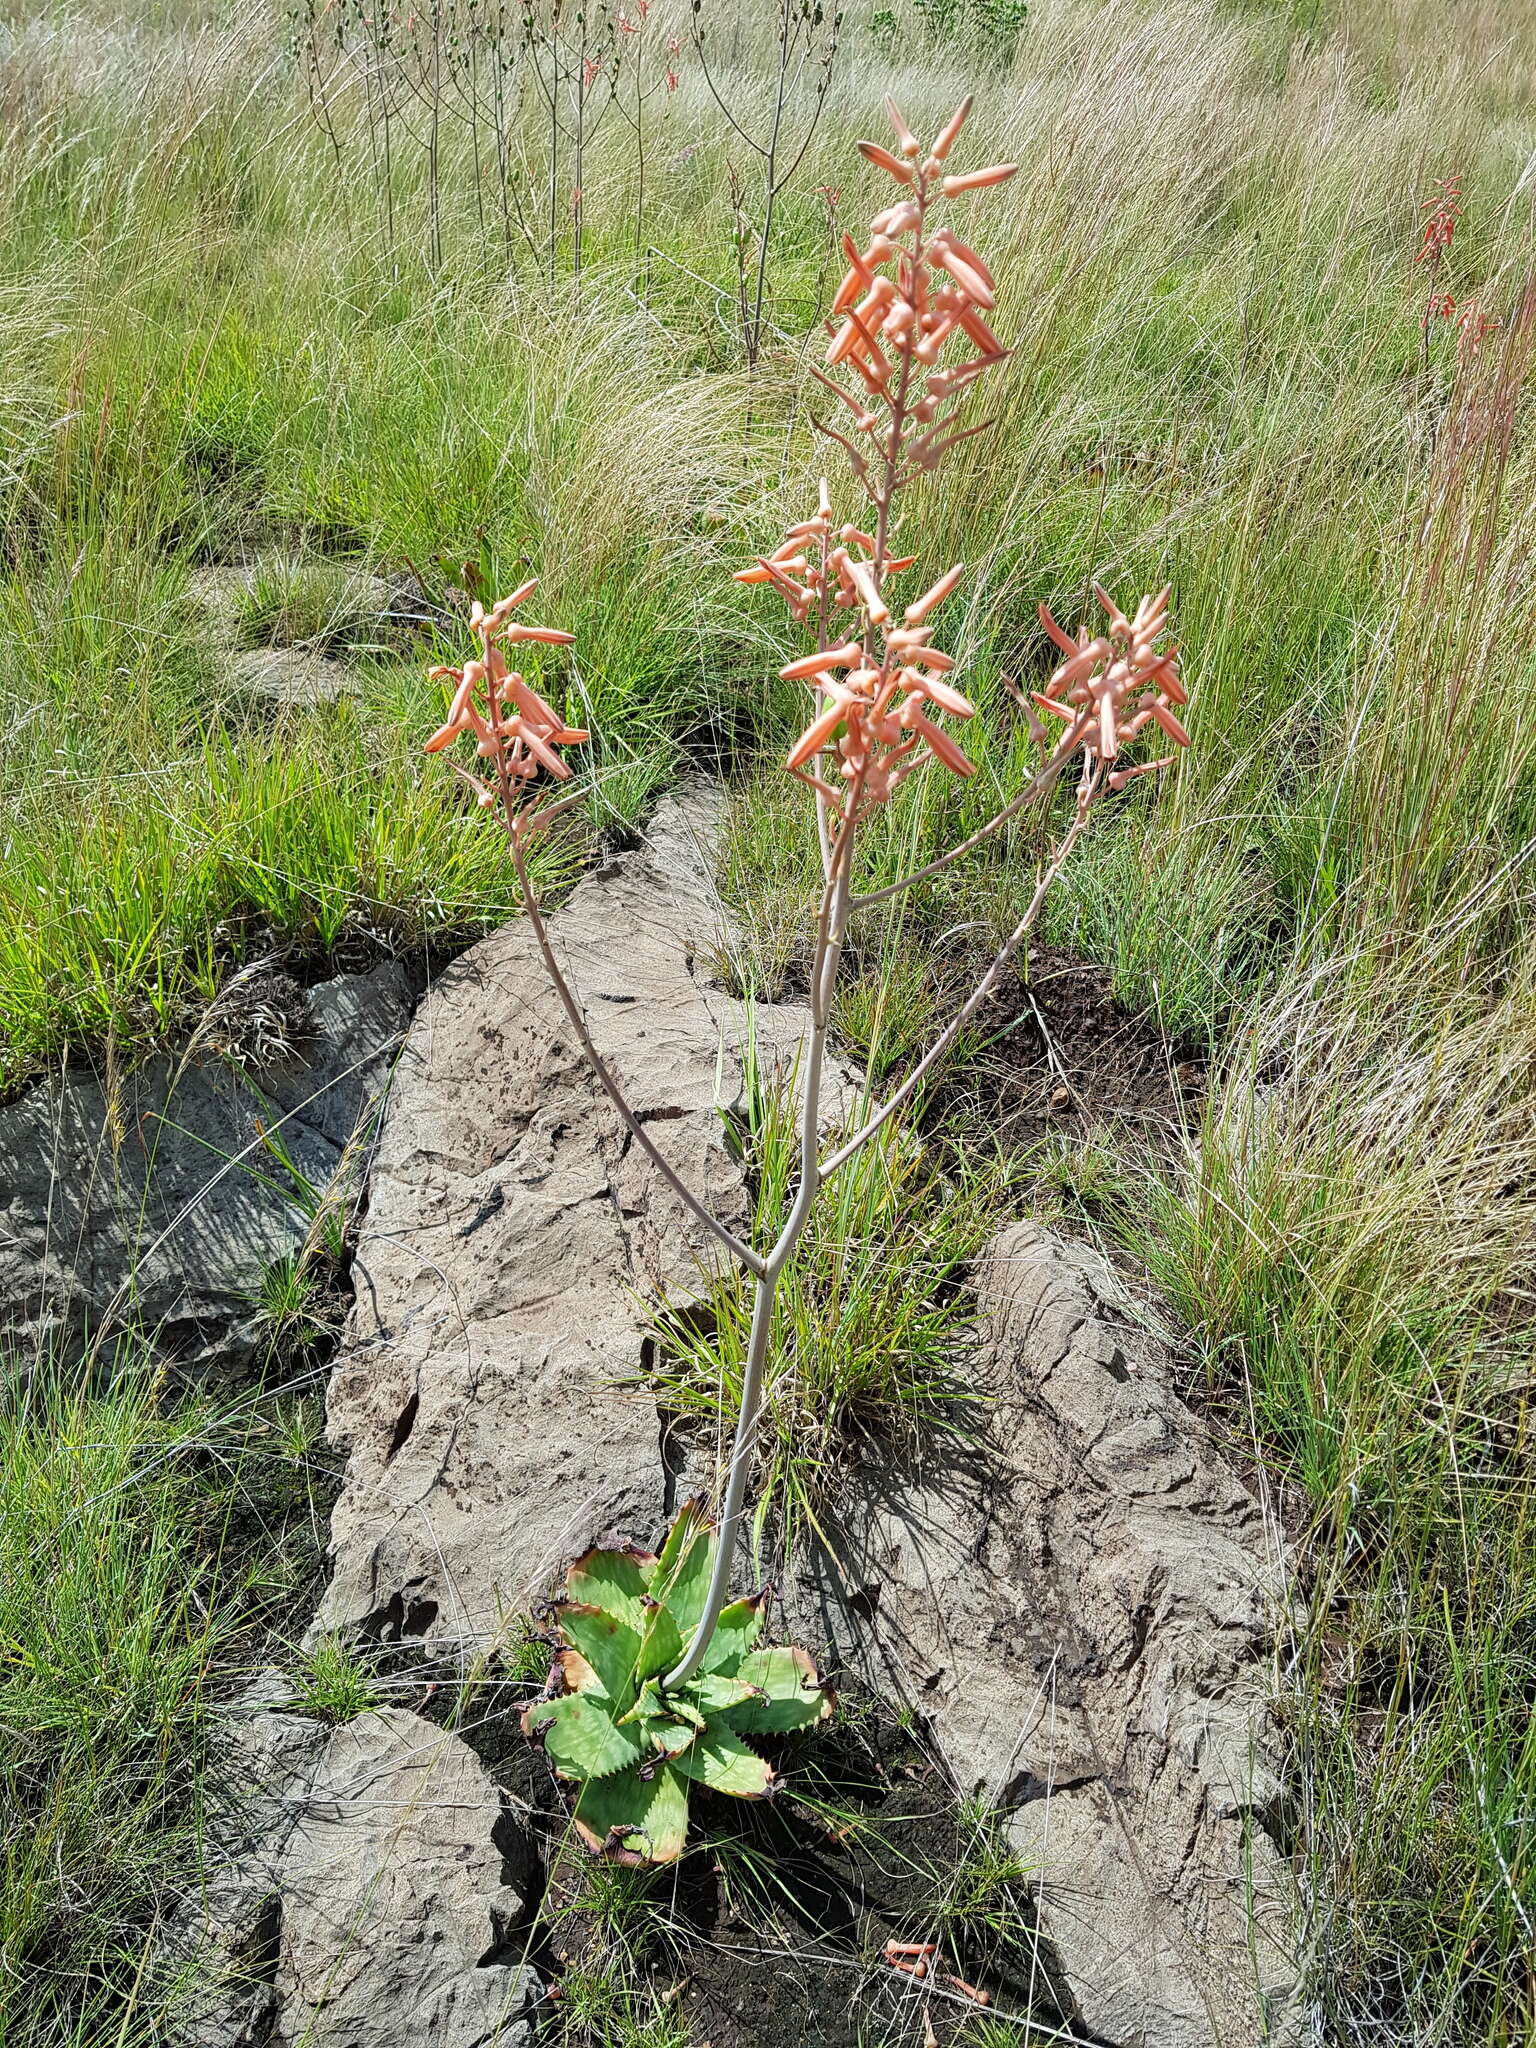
335 1682
231 342
129 1587
871 1324
1349 1244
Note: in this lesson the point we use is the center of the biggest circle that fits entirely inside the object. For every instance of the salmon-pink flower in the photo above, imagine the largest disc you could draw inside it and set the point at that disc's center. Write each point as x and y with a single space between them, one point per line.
1113 685
883 158
978 181
514 729
951 129
912 290
877 711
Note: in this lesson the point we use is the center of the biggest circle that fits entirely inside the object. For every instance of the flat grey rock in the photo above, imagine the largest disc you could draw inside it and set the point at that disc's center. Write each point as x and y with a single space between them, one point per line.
219 591
396 1902
220 1943
1084 1612
363 1888
291 675
149 1201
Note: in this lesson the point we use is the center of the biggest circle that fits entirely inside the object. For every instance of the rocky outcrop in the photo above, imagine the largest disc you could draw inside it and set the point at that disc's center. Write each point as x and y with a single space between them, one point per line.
370 1892
489 1392
1084 1611
1081 1609
153 1201
368 610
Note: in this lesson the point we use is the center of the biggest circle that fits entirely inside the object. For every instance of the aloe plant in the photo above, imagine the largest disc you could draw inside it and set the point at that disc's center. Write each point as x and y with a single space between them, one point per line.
637 1744
632 1726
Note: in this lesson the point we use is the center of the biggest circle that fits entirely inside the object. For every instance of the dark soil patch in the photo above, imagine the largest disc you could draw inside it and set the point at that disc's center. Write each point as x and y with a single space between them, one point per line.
770 1932
1059 1056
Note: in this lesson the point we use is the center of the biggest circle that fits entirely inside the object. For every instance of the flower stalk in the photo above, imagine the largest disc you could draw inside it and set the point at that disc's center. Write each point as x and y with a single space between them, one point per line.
910 338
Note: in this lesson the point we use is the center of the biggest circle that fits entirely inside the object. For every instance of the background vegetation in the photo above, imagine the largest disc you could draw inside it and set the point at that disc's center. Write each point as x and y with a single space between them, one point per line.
258 302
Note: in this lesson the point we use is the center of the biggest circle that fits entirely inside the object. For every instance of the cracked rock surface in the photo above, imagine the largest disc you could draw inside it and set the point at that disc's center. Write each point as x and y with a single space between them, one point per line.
148 1198
1081 1610
370 1883
1084 1611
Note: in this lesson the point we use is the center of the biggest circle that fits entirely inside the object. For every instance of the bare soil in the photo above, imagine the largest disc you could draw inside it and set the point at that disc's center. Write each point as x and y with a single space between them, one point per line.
1059 1055
770 1932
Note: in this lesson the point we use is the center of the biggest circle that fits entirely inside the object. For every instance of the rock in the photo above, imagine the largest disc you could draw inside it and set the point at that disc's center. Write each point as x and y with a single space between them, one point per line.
486 1388
367 609
147 1200
221 1943
1083 1611
291 675
217 589
356 1890
395 1902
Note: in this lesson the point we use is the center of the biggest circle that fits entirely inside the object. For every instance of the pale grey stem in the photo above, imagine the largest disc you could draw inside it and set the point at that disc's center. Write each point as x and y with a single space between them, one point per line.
573 1010
977 997
829 945
823 828
1046 780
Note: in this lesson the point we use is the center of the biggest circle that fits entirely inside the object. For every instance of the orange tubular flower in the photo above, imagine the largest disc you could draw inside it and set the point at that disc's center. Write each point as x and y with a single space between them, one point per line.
913 289
1110 688
513 728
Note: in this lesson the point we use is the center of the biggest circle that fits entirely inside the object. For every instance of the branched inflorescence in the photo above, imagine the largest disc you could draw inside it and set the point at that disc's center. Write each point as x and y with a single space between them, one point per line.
667 1710
514 730
914 292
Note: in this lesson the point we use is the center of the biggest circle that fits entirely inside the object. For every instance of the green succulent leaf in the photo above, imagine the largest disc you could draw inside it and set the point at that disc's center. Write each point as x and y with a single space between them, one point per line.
739 1626
610 1647
712 1693
580 1737
723 1762
656 1705
647 1703
793 1695
616 1581
635 1820
634 1746
671 1738
681 1578
660 1646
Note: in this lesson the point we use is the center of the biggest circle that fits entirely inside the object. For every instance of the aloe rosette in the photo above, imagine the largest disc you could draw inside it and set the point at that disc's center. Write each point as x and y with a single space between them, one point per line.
636 1746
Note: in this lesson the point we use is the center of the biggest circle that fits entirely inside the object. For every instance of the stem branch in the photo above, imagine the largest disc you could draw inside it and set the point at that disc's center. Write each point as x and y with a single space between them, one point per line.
573 1010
